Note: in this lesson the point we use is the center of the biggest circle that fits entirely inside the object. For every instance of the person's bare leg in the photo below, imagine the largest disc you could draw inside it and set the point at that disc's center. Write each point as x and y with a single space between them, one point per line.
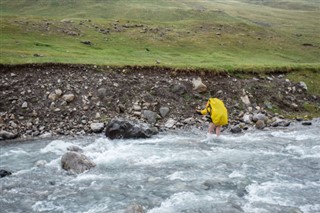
211 128
218 128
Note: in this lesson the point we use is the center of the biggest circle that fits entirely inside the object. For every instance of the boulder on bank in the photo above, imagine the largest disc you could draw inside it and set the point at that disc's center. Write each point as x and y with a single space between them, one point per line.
76 162
117 129
8 135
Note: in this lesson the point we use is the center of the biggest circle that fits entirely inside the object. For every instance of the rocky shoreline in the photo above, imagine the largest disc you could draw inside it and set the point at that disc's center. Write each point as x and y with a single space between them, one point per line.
46 100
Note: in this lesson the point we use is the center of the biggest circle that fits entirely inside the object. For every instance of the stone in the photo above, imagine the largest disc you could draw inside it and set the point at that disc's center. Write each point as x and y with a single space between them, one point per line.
24 105
198 86
58 92
245 99
53 96
76 162
97 127
247 118
235 129
118 129
68 97
136 107
190 120
260 124
170 123
164 111
4 173
303 85
7 135
135 208
150 116
179 89
306 123
258 116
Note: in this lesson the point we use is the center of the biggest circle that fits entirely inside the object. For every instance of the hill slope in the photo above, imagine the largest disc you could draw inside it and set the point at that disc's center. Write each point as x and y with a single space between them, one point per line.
210 34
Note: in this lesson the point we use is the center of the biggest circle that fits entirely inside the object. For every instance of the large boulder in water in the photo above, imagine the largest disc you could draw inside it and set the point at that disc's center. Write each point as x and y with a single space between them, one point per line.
117 129
76 162
4 173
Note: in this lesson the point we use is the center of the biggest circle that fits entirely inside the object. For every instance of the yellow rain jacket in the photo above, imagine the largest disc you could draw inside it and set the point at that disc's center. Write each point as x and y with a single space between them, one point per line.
218 112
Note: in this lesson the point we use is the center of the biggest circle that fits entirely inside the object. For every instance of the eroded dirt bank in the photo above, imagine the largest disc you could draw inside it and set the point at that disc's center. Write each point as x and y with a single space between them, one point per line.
68 99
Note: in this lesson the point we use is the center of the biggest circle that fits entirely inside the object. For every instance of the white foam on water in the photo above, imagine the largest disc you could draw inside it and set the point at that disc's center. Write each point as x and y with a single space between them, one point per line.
304 152
89 177
45 206
273 193
236 174
310 208
179 176
100 207
58 147
293 135
15 152
181 201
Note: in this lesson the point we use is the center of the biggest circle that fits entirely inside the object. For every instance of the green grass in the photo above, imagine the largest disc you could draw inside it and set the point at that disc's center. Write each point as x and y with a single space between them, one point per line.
254 36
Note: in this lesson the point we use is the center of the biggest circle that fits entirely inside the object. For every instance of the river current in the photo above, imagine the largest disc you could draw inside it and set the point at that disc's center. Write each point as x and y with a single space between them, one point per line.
187 171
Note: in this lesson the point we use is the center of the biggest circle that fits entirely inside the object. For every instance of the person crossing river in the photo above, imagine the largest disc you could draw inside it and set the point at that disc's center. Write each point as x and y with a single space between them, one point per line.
218 114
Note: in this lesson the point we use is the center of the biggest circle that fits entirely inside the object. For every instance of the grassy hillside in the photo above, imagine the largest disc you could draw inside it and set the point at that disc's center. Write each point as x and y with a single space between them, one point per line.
244 34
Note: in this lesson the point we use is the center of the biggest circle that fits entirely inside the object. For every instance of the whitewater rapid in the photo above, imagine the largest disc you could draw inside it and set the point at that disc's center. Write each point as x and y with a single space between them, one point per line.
274 170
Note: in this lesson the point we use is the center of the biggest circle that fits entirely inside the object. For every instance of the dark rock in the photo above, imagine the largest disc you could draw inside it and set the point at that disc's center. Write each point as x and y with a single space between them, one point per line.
235 129
76 162
4 173
306 123
179 89
117 129
87 43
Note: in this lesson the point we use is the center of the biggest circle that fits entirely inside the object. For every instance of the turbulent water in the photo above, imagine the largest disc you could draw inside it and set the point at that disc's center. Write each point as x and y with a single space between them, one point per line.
262 171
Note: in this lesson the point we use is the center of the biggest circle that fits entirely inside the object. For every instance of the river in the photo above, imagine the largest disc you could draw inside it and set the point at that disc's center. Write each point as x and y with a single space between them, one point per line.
260 171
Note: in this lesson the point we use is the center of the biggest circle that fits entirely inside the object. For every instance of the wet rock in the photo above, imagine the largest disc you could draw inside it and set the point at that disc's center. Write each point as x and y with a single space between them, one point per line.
4 173
306 123
74 148
76 162
117 129
235 129
135 208
97 127
8 135
40 163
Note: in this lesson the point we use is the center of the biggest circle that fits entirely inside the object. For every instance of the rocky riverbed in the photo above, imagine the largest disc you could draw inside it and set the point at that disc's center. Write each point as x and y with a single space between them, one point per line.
57 99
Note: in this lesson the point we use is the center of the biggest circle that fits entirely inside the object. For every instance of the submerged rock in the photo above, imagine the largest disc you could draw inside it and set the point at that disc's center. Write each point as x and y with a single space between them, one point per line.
76 162
134 209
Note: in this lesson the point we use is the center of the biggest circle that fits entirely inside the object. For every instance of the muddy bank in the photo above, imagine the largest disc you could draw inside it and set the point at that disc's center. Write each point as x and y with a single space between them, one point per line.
58 99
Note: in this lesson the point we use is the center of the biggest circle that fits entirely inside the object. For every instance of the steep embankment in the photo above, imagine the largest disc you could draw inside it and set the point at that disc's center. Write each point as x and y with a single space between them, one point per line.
62 99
